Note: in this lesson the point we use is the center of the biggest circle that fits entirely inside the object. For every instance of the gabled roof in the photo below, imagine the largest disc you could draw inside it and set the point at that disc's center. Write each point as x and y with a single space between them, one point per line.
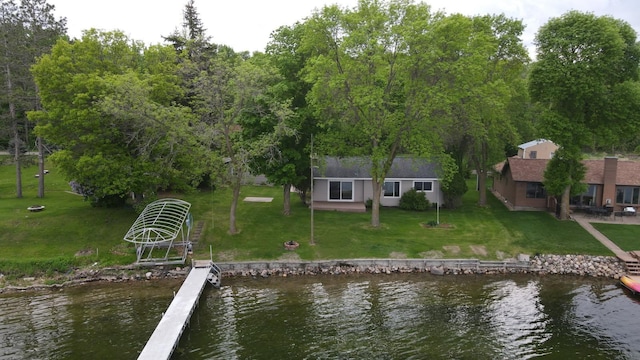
628 173
533 143
532 170
360 168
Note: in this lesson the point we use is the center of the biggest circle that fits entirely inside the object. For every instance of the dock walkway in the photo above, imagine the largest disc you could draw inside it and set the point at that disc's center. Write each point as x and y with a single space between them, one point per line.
632 262
167 334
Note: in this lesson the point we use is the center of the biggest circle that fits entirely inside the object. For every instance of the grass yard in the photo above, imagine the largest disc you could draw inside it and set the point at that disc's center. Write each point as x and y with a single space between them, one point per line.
55 238
69 232
627 237
487 233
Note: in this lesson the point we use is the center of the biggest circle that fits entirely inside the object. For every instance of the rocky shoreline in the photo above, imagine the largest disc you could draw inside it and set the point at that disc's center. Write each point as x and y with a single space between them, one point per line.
581 265
578 265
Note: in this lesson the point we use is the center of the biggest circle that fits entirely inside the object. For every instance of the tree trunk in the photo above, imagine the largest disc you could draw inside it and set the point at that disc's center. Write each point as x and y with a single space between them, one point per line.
303 196
482 187
564 204
16 133
138 197
16 157
40 168
481 173
234 205
375 203
287 200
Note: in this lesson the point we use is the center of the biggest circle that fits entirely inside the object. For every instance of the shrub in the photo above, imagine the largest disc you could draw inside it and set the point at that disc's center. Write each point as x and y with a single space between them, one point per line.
414 200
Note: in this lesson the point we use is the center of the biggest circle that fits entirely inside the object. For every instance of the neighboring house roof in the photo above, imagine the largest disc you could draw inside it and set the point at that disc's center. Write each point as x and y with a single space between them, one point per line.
628 173
499 166
532 170
532 143
360 168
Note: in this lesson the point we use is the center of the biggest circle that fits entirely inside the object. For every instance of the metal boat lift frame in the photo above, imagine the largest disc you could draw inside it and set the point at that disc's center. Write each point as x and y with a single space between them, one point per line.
160 228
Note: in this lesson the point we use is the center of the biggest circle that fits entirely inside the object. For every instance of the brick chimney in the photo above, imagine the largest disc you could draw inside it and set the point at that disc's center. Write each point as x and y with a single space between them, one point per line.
609 180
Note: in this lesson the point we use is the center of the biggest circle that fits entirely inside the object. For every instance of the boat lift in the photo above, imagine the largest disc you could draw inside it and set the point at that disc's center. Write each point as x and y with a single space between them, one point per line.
159 233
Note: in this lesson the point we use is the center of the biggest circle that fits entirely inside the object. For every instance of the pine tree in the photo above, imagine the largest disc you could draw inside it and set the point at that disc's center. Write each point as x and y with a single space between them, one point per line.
27 31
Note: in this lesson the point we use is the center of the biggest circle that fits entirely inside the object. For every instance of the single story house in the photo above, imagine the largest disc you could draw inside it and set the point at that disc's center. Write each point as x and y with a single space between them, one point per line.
611 182
345 183
537 149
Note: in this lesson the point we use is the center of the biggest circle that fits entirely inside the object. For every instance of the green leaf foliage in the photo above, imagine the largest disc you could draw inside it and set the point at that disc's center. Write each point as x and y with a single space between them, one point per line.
373 85
586 65
414 200
109 110
585 79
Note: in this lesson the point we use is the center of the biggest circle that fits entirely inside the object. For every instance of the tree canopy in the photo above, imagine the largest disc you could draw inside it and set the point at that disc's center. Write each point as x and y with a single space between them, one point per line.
109 109
373 82
586 79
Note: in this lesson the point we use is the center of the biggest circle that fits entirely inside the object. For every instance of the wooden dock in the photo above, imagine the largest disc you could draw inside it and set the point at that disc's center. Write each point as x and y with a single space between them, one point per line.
167 334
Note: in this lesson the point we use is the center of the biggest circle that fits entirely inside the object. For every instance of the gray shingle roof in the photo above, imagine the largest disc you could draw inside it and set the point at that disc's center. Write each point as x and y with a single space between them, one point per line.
360 168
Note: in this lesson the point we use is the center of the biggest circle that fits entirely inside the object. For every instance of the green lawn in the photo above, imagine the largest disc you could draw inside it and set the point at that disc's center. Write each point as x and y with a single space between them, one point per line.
349 235
69 226
627 237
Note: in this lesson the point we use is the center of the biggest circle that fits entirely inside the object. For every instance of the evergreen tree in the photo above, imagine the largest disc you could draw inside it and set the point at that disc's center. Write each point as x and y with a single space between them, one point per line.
26 32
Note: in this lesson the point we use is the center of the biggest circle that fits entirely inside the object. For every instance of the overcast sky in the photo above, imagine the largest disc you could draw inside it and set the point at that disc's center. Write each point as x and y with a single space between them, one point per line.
246 24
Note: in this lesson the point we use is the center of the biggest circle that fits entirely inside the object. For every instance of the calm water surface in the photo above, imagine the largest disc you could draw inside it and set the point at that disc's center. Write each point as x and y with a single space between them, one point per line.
413 316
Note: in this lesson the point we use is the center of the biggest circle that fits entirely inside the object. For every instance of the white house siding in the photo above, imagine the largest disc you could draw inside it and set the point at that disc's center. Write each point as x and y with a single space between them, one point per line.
363 191
320 190
406 185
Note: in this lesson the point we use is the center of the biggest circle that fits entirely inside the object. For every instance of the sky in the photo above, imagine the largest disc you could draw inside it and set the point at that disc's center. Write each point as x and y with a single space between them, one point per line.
245 25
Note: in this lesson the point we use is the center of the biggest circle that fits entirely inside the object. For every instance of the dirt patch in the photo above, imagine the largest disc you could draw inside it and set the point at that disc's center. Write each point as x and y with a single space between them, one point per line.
479 250
454 249
289 256
85 252
500 255
230 255
121 249
438 226
432 254
398 255
258 199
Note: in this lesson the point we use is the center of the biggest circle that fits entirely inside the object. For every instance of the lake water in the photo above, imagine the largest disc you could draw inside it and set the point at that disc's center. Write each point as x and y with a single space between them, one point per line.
410 316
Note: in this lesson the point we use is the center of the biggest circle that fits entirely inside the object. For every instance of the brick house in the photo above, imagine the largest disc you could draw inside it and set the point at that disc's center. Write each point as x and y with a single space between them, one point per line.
610 182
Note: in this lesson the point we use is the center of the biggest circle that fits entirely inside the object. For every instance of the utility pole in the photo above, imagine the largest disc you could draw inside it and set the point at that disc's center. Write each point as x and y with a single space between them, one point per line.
312 241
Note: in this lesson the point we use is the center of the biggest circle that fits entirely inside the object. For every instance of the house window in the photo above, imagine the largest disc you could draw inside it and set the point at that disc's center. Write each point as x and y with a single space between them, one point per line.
391 188
423 185
340 190
533 155
627 195
587 198
535 190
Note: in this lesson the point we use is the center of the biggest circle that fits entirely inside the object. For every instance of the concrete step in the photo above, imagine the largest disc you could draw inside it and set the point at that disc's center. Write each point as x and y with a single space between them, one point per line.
197 231
633 267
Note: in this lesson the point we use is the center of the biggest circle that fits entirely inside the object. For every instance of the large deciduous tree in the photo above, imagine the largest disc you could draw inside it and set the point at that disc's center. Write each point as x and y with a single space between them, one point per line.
484 60
108 105
291 163
373 82
27 31
229 94
586 65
